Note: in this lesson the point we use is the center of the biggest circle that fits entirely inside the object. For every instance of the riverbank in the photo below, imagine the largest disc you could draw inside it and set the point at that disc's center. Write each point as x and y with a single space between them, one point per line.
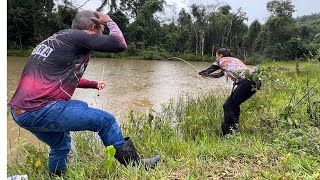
278 139
147 55
144 55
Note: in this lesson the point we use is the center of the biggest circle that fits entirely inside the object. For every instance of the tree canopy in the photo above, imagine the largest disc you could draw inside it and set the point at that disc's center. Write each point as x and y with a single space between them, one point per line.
200 29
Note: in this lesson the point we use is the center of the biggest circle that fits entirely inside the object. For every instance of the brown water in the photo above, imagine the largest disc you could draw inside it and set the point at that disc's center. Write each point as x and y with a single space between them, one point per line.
131 85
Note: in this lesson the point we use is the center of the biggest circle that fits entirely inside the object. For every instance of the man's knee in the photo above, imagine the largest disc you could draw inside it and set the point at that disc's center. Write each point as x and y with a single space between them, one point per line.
107 121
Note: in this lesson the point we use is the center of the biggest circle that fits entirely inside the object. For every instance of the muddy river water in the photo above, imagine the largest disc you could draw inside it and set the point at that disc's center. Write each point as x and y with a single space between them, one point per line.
131 85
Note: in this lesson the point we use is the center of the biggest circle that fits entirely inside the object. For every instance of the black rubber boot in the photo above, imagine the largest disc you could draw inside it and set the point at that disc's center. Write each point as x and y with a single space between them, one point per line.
58 173
236 123
236 120
228 128
127 153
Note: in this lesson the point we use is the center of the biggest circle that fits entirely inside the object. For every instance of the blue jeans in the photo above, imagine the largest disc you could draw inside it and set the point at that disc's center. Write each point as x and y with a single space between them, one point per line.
52 124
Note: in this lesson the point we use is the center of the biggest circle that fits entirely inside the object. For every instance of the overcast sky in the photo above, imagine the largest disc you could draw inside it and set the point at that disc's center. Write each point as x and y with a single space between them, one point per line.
255 9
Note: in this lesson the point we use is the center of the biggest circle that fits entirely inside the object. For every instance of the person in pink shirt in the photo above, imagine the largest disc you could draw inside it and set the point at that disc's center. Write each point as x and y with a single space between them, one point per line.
243 78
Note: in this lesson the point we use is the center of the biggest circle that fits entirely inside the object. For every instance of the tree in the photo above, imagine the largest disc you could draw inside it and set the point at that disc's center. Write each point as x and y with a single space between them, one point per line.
64 15
145 30
280 8
218 25
28 19
184 19
198 12
250 39
236 32
225 9
185 29
171 41
132 7
279 29
112 4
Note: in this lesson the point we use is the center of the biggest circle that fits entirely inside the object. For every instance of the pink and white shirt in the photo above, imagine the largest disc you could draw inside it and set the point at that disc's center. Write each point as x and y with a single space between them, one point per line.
233 68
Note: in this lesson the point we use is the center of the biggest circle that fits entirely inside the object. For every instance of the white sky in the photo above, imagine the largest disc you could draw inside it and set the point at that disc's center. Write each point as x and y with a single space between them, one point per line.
255 9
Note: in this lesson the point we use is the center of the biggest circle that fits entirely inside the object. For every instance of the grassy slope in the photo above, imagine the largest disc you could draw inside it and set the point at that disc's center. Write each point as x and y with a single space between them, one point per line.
277 140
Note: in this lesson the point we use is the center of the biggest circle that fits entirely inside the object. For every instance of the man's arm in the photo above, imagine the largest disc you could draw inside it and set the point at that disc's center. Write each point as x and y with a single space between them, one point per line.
113 42
84 83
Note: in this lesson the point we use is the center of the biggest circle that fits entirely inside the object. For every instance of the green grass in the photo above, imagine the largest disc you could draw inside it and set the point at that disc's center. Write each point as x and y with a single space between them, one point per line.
277 138
19 52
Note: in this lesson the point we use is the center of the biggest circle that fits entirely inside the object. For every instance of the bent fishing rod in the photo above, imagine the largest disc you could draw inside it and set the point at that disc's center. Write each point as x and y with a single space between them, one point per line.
185 62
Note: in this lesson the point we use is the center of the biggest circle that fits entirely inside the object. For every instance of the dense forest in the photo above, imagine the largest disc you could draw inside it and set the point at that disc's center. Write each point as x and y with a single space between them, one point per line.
198 30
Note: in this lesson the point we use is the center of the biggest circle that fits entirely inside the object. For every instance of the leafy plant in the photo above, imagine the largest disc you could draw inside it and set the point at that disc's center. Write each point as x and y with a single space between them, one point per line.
109 157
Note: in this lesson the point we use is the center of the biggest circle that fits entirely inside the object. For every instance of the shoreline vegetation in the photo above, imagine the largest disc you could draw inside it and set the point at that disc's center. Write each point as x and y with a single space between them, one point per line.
143 55
279 136
149 55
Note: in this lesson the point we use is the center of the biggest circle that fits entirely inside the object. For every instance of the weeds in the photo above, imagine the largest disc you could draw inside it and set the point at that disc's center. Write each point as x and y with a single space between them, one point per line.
279 136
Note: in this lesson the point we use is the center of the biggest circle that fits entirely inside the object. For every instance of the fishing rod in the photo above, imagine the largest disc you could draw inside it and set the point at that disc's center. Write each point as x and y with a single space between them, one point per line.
203 81
185 62
101 80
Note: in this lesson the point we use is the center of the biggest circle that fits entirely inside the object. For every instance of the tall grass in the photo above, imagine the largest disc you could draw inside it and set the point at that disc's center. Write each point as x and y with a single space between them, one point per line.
278 138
